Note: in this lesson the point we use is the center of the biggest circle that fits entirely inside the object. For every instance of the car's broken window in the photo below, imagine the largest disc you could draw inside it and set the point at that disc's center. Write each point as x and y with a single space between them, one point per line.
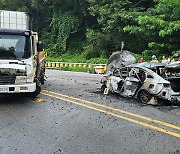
149 76
133 72
138 73
123 72
173 72
142 75
117 73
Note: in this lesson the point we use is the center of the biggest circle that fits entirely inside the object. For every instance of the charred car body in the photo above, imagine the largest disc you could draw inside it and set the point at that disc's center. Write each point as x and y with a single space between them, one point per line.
148 82
172 74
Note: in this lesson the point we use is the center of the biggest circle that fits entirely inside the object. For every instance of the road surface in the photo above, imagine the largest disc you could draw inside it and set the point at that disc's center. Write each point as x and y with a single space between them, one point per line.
72 116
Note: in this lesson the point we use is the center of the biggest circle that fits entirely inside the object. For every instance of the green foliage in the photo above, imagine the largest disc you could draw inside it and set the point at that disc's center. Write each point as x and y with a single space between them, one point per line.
75 69
147 54
112 17
90 30
100 60
63 24
177 51
76 58
162 25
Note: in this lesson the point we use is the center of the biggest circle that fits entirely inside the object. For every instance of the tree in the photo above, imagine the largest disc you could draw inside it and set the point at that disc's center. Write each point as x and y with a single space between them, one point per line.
161 24
112 17
97 27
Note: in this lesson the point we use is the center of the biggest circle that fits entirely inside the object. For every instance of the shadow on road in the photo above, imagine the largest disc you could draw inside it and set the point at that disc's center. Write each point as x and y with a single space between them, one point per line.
10 99
163 104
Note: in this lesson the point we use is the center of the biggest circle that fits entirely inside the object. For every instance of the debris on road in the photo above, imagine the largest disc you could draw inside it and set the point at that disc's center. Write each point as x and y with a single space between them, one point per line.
38 100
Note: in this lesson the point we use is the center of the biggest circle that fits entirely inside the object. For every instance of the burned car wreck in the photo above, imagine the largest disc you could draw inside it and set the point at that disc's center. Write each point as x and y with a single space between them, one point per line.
147 82
172 74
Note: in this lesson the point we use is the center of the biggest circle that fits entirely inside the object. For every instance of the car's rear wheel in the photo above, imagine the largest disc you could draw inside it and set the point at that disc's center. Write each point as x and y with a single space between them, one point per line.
103 87
144 96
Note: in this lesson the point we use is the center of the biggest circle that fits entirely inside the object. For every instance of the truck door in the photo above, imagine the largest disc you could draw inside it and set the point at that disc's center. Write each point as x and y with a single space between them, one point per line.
34 48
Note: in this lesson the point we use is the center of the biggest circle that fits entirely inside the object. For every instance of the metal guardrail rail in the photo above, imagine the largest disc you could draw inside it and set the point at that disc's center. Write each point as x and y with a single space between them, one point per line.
66 64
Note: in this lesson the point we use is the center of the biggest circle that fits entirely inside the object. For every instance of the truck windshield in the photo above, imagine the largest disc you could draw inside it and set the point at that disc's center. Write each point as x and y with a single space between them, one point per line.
14 47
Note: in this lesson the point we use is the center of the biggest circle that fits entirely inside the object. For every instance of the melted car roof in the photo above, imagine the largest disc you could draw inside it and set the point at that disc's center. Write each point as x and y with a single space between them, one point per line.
147 65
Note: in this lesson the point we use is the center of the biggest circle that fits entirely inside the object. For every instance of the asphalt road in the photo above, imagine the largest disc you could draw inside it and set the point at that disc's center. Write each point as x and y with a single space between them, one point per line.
76 118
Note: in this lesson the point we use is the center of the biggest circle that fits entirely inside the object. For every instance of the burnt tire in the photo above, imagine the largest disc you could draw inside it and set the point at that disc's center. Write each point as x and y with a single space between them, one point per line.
103 87
144 96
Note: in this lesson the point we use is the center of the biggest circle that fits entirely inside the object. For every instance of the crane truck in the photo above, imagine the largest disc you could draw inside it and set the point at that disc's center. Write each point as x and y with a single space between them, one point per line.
22 59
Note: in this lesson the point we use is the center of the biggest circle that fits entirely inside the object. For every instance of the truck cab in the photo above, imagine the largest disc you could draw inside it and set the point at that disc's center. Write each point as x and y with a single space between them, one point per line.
22 64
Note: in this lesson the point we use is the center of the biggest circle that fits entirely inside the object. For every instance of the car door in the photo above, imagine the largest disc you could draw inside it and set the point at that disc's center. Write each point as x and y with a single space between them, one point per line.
132 82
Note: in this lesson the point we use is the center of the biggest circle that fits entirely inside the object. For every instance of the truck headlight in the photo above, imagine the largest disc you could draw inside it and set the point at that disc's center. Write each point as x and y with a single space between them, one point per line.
20 79
30 79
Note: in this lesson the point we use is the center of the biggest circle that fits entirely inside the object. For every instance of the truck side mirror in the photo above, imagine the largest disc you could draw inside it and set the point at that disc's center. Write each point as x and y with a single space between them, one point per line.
40 46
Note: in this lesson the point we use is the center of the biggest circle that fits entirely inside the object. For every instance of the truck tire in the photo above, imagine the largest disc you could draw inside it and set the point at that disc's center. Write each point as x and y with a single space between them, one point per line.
36 92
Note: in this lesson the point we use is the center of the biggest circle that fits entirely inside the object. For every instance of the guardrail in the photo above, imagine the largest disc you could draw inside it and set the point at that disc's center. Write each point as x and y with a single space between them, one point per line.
66 64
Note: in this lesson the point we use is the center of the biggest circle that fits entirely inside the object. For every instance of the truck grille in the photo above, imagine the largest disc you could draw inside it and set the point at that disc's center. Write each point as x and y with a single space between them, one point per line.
7 79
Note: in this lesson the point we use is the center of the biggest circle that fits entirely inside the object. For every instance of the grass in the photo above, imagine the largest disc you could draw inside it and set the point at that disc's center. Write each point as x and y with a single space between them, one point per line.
76 58
76 69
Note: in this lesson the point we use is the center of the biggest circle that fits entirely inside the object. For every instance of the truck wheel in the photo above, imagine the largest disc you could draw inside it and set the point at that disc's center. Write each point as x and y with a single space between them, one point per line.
36 92
144 96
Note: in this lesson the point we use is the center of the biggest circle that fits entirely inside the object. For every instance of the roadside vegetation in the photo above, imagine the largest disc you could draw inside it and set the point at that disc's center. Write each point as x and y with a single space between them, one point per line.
91 30
76 58
76 69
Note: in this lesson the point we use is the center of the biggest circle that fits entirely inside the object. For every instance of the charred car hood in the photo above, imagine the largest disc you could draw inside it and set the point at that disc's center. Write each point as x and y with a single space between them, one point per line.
12 68
119 59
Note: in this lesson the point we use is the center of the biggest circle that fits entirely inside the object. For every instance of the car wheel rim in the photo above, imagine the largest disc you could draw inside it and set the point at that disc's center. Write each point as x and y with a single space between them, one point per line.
144 97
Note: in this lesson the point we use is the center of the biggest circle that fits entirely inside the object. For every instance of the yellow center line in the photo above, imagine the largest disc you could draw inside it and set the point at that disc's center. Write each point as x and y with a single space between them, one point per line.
119 110
118 116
